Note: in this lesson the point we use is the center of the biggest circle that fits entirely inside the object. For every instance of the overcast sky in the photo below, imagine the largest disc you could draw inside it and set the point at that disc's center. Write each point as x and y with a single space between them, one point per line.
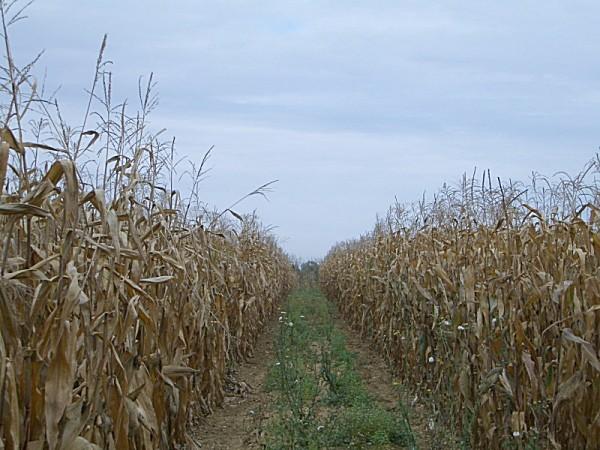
347 103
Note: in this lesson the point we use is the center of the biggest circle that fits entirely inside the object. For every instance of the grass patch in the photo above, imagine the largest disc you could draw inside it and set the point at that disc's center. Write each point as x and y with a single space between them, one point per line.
321 400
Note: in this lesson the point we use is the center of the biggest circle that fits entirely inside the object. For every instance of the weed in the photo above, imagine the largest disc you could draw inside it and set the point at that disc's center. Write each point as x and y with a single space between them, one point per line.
321 401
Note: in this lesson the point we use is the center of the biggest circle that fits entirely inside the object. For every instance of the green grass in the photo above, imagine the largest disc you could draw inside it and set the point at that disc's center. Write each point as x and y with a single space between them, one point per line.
321 400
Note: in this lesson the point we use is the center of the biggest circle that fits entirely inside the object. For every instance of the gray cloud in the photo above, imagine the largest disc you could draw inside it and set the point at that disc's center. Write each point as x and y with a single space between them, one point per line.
347 103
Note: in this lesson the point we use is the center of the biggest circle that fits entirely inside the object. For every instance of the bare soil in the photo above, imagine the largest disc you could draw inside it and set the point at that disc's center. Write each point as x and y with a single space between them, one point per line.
379 381
238 424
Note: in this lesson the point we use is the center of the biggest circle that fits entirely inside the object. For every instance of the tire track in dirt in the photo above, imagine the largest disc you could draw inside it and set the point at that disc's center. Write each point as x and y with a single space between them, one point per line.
379 381
238 424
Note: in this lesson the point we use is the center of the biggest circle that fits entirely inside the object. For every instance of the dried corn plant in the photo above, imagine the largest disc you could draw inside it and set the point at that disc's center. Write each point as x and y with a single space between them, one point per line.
487 300
121 302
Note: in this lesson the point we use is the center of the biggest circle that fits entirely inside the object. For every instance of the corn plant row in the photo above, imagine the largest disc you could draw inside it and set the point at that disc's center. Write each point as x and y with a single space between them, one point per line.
116 324
123 298
487 301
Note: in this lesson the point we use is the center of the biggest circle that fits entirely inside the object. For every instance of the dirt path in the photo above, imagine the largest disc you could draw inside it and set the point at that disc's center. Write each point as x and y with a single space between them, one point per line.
379 380
372 368
239 423
247 411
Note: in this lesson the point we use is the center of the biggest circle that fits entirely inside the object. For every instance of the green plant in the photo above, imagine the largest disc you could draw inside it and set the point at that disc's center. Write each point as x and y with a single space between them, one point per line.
321 401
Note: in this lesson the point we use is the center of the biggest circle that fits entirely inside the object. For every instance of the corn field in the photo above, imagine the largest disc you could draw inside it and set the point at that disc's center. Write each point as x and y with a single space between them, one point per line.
122 302
487 301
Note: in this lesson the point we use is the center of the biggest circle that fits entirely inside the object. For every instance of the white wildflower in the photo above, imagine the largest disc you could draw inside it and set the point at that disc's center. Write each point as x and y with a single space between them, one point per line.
431 424
414 400
447 323
277 363
320 427
431 360
460 328
291 324
516 434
